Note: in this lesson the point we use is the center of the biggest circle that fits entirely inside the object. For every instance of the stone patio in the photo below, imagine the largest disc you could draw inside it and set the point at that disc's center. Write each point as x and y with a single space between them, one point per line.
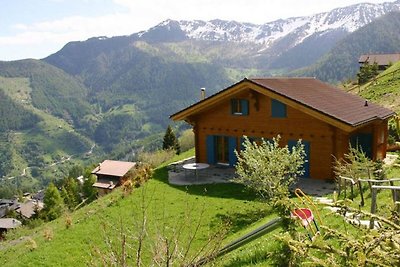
224 174
214 174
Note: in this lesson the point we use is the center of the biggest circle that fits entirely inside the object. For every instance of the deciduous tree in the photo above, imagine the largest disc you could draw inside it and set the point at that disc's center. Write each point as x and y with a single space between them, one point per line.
268 168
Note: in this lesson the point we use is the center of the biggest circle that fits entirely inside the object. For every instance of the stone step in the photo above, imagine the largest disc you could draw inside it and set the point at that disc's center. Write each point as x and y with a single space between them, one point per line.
324 200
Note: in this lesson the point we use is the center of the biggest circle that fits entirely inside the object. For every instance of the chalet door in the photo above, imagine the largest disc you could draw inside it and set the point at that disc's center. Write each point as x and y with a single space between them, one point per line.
222 147
306 165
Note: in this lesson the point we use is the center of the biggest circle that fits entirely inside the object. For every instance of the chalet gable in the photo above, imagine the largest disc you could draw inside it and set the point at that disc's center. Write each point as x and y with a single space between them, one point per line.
309 95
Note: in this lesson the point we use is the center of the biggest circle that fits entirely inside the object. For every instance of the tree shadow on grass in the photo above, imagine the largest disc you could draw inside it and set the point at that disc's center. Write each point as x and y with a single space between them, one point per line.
240 220
272 255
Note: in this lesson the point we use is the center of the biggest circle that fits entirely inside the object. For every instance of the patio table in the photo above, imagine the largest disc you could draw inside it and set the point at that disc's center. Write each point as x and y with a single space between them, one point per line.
196 167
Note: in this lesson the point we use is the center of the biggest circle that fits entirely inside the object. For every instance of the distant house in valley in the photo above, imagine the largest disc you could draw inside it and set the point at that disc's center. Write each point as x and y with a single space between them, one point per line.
7 205
109 174
7 224
28 208
324 117
383 60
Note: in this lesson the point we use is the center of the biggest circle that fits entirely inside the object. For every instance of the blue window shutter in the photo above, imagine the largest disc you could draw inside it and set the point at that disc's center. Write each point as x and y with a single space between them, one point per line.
278 109
233 106
232 148
245 107
210 142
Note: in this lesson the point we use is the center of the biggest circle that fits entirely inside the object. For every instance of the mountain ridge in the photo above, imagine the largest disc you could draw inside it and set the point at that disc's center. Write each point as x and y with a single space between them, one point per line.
347 18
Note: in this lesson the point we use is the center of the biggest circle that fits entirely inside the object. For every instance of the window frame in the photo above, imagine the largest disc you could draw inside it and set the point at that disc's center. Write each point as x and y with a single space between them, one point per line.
239 107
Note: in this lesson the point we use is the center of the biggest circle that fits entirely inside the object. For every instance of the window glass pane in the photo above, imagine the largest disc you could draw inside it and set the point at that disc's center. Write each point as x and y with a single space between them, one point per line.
278 109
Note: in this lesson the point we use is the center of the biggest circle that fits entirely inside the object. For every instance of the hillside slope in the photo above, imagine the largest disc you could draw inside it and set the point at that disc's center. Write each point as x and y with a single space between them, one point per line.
385 90
155 82
171 211
52 90
41 107
380 36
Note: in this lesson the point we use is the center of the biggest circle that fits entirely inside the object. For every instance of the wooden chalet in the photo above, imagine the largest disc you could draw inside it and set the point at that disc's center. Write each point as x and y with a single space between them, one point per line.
325 118
109 174
383 60
7 224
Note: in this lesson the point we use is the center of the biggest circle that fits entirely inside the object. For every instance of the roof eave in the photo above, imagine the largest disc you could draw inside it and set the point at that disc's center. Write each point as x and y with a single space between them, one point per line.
360 123
202 104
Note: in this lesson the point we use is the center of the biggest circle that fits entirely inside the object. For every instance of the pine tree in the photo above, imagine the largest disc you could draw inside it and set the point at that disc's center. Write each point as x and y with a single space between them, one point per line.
170 141
89 192
70 193
367 72
53 203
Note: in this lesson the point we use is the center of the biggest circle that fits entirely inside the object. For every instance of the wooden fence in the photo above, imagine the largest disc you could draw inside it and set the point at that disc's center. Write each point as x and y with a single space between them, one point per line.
374 186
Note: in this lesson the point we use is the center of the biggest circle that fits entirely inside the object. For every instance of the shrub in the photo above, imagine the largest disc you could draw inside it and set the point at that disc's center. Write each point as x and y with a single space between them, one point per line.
136 176
48 234
356 165
154 159
31 244
268 168
68 221
186 140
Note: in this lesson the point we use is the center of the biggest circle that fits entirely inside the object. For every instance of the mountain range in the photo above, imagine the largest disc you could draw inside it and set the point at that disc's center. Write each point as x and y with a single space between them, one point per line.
115 92
286 43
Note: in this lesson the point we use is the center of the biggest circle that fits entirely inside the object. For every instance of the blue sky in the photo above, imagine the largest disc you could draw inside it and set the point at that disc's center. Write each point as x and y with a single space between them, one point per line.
38 28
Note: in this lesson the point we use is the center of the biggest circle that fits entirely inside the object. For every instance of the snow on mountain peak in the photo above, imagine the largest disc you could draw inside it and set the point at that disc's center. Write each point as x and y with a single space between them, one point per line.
348 19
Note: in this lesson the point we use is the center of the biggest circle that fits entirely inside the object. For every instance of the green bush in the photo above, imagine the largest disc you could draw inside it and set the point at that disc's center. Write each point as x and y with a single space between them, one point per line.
186 140
155 159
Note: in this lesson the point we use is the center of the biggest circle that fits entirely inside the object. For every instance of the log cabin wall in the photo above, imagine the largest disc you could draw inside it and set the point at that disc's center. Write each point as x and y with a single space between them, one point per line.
259 123
325 140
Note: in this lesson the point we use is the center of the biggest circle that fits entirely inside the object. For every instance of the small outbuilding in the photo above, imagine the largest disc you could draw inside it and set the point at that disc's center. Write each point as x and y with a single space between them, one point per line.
326 119
109 174
7 224
7 205
383 60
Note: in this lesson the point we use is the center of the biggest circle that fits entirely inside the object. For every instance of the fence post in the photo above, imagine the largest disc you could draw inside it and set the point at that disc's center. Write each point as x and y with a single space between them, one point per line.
373 206
352 190
394 192
361 193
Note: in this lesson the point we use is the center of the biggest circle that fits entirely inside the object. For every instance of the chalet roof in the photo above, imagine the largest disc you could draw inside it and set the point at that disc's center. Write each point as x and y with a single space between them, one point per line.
113 168
9 223
27 209
310 93
380 59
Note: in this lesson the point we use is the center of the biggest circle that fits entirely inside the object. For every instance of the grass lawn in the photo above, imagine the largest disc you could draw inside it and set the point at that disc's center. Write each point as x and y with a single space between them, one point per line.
169 208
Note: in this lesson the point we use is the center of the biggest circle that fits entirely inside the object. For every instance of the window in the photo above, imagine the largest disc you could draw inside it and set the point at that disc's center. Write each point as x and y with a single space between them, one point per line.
240 107
278 109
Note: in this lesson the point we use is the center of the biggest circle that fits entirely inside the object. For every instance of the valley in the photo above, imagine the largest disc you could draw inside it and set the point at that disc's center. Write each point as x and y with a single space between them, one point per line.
162 146
118 92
